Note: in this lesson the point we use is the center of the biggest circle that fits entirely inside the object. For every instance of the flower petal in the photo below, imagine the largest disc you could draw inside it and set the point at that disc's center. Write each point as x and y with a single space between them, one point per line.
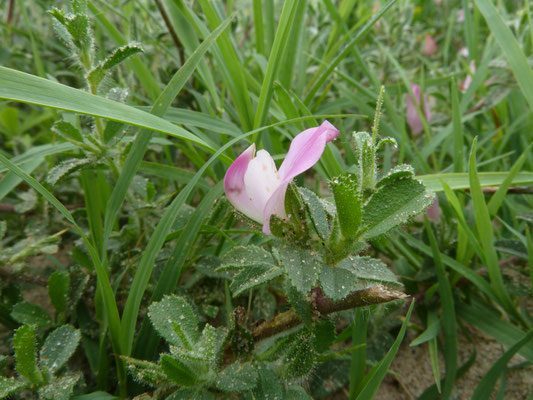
275 205
306 149
261 181
235 188
413 118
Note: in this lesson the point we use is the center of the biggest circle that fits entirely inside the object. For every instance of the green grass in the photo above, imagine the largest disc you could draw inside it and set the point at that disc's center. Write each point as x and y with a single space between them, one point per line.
139 179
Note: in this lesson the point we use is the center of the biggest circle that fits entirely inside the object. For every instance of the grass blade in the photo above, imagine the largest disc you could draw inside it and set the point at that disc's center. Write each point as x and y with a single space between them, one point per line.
510 47
143 138
376 374
448 316
486 386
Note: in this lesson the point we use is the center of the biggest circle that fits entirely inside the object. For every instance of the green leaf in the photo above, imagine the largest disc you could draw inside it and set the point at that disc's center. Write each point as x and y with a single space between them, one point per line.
58 347
63 168
510 46
397 172
96 396
297 393
324 335
191 394
269 385
486 236
58 288
316 211
177 371
145 371
375 376
211 342
301 266
370 269
300 359
118 55
238 377
429 333
486 386
24 345
299 302
175 310
449 319
28 313
9 386
394 204
461 180
337 282
349 203
26 88
59 389
67 130
253 276
246 256
491 322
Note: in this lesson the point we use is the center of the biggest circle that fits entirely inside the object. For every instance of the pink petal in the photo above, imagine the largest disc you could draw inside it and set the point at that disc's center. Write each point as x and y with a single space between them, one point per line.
434 211
430 47
412 115
235 188
305 151
275 205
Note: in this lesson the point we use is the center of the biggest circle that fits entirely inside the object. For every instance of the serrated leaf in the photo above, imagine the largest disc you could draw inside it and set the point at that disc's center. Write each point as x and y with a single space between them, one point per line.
174 309
394 204
299 303
397 172
145 371
24 345
237 377
9 386
58 347
28 201
211 342
121 53
58 287
245 256
28 313
269 386
264 305
366 160
96 396
177 371
67 167
370 269
316 211
59 389
335 372
324 335
191 394
297 393
253 276
349 203
300 358
337 282
67 130
301 266
78 27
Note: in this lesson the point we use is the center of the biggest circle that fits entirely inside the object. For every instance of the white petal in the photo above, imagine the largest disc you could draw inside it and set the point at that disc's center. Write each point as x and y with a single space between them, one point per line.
261 181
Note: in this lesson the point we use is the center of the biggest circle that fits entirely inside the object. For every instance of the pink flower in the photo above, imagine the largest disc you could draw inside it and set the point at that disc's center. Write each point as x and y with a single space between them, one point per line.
257 189
430 47
412 115
434 211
